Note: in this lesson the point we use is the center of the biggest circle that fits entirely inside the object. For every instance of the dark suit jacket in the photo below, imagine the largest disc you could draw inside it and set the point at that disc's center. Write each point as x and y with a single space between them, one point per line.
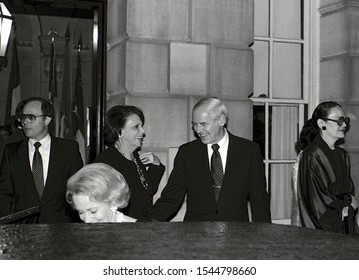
244 179
17 186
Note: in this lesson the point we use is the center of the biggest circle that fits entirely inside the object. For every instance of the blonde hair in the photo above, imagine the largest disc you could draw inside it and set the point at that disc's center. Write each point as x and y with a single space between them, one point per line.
101 182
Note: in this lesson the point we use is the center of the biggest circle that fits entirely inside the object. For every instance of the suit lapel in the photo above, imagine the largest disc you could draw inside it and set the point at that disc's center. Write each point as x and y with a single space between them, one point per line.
22 161
54 165
231 163
204 168
202 164
230 158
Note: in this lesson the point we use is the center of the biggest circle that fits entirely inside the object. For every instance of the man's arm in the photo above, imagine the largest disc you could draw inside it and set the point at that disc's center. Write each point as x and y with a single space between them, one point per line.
173 194
259 198
155 174
74 165
76 162
6 188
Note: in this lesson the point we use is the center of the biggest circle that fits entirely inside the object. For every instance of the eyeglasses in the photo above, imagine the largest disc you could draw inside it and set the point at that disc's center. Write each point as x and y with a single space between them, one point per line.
30 117
339 121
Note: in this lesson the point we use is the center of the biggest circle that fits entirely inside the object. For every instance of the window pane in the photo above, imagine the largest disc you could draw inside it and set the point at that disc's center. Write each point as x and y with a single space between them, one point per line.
284 121
287 70
261 18
260 50
280 190
287 15
259 127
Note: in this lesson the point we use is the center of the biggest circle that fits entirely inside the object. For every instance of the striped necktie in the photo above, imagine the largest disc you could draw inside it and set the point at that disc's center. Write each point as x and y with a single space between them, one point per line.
216 171
37 170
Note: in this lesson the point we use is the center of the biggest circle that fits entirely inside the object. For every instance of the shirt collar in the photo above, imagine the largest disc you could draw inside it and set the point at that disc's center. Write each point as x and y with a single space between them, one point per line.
45 142
223 142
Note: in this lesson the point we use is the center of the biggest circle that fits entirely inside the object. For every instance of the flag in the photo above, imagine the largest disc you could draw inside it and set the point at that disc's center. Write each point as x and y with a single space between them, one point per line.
78 115
13 96
65 110
52 73
54 127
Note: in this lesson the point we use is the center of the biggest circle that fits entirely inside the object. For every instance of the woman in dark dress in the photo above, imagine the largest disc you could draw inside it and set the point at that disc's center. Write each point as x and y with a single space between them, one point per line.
124 134
325 189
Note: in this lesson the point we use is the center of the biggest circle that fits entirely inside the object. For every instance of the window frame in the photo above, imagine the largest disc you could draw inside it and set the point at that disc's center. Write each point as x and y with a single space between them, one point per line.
310 77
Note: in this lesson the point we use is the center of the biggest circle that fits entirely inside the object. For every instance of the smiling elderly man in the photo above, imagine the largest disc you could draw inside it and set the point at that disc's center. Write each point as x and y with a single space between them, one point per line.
219 172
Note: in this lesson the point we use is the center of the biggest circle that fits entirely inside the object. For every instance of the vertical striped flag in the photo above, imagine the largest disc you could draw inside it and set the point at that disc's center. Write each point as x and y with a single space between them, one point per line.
65 111
78 115
54 127
52 73
13 96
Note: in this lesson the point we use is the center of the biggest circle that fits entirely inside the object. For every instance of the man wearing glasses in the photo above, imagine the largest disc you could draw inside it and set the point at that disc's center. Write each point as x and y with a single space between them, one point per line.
34 171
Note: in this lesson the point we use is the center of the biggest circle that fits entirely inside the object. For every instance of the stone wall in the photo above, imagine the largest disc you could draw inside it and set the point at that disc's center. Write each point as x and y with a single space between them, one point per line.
339 66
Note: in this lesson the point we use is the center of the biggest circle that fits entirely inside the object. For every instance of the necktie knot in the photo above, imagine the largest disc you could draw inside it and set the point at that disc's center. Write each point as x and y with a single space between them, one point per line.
37 145
215 147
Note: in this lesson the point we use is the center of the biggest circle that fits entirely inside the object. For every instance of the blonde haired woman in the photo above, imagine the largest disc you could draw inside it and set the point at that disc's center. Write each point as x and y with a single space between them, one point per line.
98 192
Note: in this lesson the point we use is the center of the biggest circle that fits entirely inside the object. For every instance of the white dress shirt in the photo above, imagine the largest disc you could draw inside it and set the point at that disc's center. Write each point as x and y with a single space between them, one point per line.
223 150
44 151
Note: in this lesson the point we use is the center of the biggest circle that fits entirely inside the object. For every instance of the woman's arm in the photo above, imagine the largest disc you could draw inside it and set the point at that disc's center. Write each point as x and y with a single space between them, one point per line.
155 169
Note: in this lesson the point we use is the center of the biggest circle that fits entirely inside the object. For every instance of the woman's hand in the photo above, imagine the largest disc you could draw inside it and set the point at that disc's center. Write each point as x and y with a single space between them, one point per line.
354 203
128 219
149 158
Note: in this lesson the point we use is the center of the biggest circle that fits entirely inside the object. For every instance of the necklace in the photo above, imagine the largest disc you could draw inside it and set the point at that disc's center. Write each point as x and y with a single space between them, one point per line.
138 168
141 175
117 146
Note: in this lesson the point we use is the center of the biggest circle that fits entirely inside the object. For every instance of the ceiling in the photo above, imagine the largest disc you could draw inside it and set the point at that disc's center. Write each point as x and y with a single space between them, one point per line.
76 9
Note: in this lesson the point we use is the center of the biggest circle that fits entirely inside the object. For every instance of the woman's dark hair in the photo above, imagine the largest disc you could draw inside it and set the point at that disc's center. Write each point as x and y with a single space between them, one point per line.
310 128
115 120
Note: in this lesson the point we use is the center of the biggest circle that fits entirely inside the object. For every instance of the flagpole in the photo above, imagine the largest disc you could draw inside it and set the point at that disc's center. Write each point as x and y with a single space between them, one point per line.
78 105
